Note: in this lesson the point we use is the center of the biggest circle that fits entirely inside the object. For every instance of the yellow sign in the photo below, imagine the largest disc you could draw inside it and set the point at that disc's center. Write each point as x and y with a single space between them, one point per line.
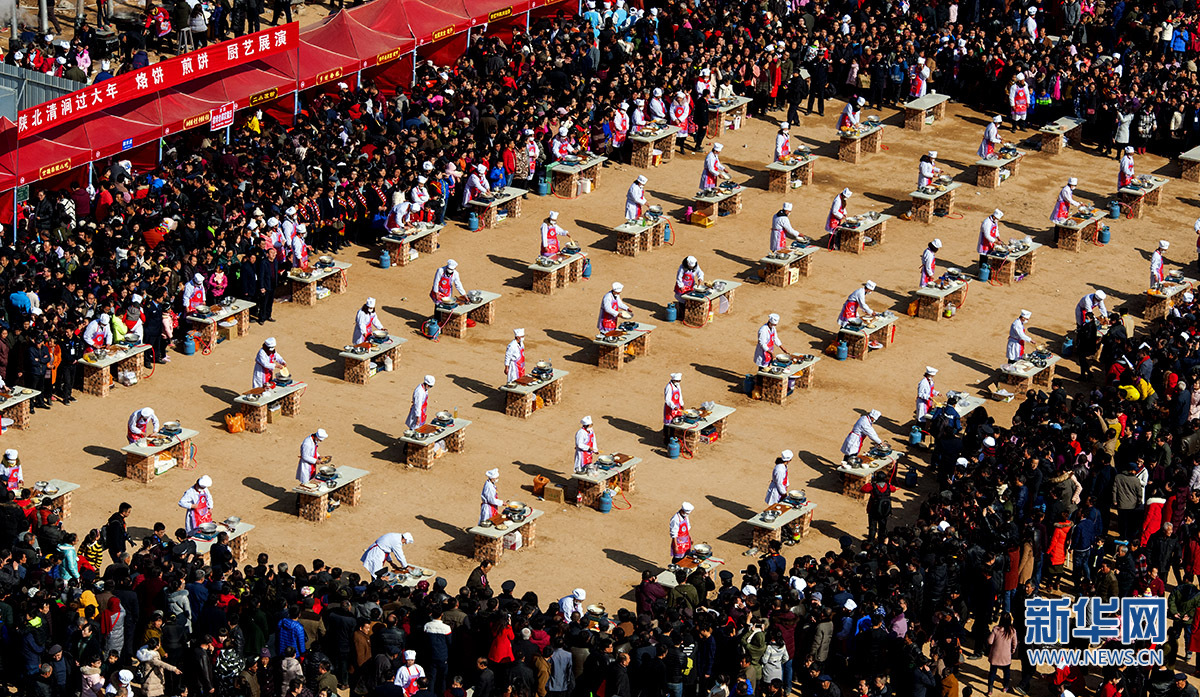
265 96
500 14
324 77
56 168
443 33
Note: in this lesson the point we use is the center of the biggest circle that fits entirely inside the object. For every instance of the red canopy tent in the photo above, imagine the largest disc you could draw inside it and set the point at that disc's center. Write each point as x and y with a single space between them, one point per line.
42 157
184 110
8 154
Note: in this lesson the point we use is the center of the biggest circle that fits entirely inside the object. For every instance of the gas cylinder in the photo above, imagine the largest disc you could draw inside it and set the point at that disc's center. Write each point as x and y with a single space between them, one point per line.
985 272
843 351
1104 235
672 312
473 221
189 345
1114 209
543 186
604 505
915 435
1068 347
385 260
673 448
587 268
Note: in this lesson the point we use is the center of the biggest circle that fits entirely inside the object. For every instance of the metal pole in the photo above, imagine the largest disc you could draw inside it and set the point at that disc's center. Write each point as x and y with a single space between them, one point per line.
43 17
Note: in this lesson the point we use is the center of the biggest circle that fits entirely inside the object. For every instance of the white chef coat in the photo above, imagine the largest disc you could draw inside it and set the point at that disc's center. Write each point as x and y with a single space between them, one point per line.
850 115
96 334
142 427
1064 199
1156 267
419 196
713 171
190 498
455 281
398 216
635 199
837 212
308 459
1083 309
548 231
561 146
620 126
862 428
1031 29
389 547
569 605
991 135
490 502
514 356
1126 172
768 340
677 521
781 229
658 109
193 296
416 413
857 300
1016 340
406 677
585 444
925 173
365 322
477 184
639 118
11 477
299 252
680 113
989 234
778 487
1022 92
697 278
672 400
783 145
928 262
925 394
264 367
610 308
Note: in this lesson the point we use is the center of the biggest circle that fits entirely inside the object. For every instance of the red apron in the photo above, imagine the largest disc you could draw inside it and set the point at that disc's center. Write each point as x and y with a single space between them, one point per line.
844 121
312 468
13 479
926 279
1021 102
1122 180
551 246
133 436
201 514
850 310
587 456
689 282
444 288
769 355
670 410
918 82
682 542
1060 213
929 400
521 363
989 148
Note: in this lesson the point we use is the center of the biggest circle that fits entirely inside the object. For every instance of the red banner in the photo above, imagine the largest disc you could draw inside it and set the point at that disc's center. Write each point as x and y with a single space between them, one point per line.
158 76
223 117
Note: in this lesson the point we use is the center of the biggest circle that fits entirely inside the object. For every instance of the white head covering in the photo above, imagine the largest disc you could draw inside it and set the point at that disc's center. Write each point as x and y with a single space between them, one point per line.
104 318
429 380
1072 182
1163 244
860 101
410 655
1026 314
146 413
686 507
10 454
204 481
1020 77
787 206
869 285
480 168
641 179
562 131
617 287
406 538
786 455
451 264
874 415
492 473
579 594
676 377
370 302
586 421
1128 149
1100 295
930 370
657 91
998 214
321 434
717 147
997 118
772 318
784 126
847 193
518 332
933 154
270 342
936 243
125 676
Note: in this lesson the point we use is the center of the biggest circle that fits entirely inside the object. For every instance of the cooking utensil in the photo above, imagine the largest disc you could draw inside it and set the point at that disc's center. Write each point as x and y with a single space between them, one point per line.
207 528
327 470
625 314
40 485
443 416
50 490
702 549
232 521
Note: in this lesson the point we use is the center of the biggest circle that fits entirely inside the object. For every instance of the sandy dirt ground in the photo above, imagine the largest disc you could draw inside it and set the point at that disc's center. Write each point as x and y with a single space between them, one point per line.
726 481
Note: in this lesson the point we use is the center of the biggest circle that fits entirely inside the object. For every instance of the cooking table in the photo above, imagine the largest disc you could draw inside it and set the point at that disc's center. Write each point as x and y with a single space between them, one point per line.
408 581
489 542
932 300
689 434
1137 198
776 387
565 176
629 345
16 406
1070 234
356 367
257 411
595 481
782 273
667 577
987 170
698 310
239 538
728 201
854 478
564 269
521 396
643 145
733 109
145 462
917 111
97 378
867 138
454 320
421 452
1067 127
640 235
793 521
784 173
858 338
313 501
422 237
238 310
1024 375
507 199
1006 268
1190 163
1159 303
60 500
304 288
853 239
925 205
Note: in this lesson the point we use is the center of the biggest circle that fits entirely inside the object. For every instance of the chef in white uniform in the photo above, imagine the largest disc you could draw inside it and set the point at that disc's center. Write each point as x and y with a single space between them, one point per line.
783 141
142 423
768 343
561 145
1126 174
193 293
778 487
681 532
864 428
420 403
300 247
1017 337
388 550
419 196
1087 306
265 362
856 305
397 218
639 118
713 171
572 604
551 231
490 501
658 108
198 502
306 468
781 228
10 470
929 263
611 307
837 211
1062 207
991 137
927 169
366 322
585 445
926 393
1156 263
98 332
408 674
673 398
514 356
635 199
446 283
687 277
851 113
989 234
477 185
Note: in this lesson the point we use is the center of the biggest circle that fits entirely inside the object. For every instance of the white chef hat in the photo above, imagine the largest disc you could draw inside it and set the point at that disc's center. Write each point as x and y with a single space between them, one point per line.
930 370
562 130
451 264
874 414
270 342
998 214
198 278
705 71
657 91
204 481
321 434
370 302
690 260
921 61
125 676
989 442
933 154
869 285
1196 226
676 377
787 206
519 332
860 101
272 222
586 421
1026 314
936 243
579 594
252 225
1073 182
642 180
772 318
798 583
786 455
680 95
429 380
406 538
997 118
61 60
847 193
1100 295
850 605
480 168
943 526
1020 76
553 215
103 318
492 473
686 507
639 102
291 210
962 462
410 655
421 179
617 287
749 590
146 413
1163 244
10 454
784 126
718 147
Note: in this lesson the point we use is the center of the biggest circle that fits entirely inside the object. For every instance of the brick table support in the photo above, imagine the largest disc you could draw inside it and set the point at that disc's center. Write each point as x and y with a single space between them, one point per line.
304 293
243 322
922 210
336 282
419 456
63 505
349 495
987 177
1191 171
589 494
356 371
488 548
484 314
19 414
239 547
313 508
256 417
519 405
457 441
779 181
290 405
139 469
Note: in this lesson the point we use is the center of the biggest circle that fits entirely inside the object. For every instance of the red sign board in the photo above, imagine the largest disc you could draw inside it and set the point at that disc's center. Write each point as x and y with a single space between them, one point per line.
223 117
209 60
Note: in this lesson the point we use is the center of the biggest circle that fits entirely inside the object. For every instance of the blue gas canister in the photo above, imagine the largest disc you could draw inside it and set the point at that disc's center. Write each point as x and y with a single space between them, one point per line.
605 503
543 187
915 435
985 272
1068 347
473 221
1105 235
673 448
1114 209
843 351
189 345
587 268
672 312
385 260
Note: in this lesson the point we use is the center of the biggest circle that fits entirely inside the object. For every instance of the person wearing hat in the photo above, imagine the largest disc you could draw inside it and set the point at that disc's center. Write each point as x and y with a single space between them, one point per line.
927 169
419 196
1157 275
713 171
918 79
618 126
687 277
550 233
991 138
388 551
572 604
851 114
1125 173
193 293
704 81
526 166
783 141
198 502
658 108
856 305
1062 208
420 404
778 487
490 501
681 111
585 445
672 401
681 532
1017 337
640 118
611 307
929 263
366 322
989 235
1087 308
98 332
635 200
477 185
306 469
10 470
864 428
1019 98
561 145
768 342
142 423
514 357
926 393
264 364
447 284
781 228
408 675
837 211
398 215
